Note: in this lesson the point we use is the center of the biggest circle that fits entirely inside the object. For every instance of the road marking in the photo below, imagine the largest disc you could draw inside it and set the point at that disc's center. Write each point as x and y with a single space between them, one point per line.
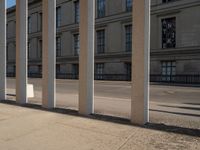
113 98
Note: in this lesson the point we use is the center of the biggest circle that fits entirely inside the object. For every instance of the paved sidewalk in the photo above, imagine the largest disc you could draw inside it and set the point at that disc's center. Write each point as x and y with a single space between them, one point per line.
32 128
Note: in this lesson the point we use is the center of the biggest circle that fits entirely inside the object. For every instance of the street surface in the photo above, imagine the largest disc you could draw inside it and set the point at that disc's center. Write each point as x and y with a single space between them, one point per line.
172 105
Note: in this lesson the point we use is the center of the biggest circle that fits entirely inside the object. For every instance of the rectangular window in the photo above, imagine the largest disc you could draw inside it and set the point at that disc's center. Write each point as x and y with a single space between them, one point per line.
76 44
99 71
29 25
101 8
14 69
168 70
7 29
58 16
40 22
58 47
7 52
28 47
75 71
76 11
169 32
167 1
128 5
40 69
40 49
29 70
57 68
128 34
128 71
100 41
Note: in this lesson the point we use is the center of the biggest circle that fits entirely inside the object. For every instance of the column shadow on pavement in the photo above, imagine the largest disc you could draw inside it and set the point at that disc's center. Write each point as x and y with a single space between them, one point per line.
182 107
176 113
192 103
113 119
11 95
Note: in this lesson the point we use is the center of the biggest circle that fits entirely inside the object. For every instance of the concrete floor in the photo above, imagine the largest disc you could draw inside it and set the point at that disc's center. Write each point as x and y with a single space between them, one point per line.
33 128
170 105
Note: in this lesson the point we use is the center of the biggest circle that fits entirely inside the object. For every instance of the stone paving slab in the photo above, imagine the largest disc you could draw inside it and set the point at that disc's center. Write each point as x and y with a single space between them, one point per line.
23 128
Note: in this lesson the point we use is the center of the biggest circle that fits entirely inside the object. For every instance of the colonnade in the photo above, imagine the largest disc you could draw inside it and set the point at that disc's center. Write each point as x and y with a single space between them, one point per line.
140 56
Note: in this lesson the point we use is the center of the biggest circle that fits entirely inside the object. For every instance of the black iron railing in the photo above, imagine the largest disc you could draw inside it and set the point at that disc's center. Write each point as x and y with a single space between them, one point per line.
34 75
182 79
113 77
58 75
67 76
11 74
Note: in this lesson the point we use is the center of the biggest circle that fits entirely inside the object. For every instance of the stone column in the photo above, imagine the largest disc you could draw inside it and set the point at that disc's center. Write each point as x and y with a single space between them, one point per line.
49 48
3 50
86 60
140 62
21 51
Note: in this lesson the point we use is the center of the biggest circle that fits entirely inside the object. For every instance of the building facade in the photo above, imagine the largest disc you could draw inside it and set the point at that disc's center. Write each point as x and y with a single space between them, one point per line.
175 39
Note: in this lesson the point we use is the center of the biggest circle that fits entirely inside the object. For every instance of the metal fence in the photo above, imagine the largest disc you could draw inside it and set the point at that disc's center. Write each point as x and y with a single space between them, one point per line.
58 75
180 79
114 77
10 74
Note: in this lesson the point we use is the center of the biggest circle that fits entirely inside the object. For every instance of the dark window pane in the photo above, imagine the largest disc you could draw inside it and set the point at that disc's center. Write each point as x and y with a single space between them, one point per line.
58 46
128 34
77 11
100 41
128 5
169 33
76 44
168 70
58 16
167 1
75 71
99 71
100 8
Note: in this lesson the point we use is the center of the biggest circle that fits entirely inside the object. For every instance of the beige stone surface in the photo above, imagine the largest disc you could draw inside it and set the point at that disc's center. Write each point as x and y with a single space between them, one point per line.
86 59
21 51
3 50
24 128
140 62
48 53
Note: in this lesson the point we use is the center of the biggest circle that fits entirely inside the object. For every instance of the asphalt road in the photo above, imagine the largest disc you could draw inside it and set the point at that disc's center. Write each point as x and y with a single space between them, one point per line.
174 105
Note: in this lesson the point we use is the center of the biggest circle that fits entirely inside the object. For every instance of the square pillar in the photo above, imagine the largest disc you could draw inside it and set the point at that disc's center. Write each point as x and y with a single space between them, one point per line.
86 58
21 51
140 62
3 50
49 49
